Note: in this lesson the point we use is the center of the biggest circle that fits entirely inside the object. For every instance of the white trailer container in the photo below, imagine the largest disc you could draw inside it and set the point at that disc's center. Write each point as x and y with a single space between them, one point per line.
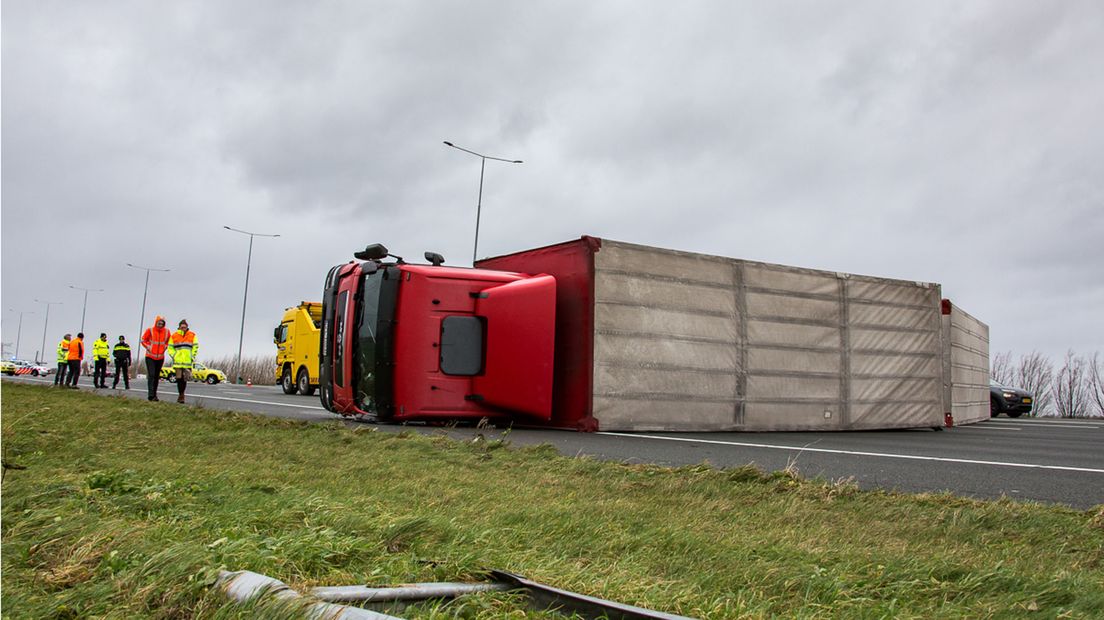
655 339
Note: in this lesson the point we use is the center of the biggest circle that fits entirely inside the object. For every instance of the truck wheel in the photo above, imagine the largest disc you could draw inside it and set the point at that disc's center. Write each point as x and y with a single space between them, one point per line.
171 378
212 379
1014 414
994 410
286 382
304 383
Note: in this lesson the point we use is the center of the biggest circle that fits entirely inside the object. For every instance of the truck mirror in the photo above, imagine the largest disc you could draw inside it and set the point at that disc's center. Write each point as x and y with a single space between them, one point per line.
376 251
434 258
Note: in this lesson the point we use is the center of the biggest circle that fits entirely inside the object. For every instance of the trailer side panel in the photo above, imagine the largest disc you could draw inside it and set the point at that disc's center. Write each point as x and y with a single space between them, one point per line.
693 342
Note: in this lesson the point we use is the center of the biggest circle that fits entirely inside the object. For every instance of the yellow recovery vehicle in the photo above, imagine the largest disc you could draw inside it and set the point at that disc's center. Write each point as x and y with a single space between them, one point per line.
297 348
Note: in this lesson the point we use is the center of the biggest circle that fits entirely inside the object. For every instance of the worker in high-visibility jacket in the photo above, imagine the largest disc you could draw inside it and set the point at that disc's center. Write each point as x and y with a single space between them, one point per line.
73 358
100 352
62 359
155 340
183 349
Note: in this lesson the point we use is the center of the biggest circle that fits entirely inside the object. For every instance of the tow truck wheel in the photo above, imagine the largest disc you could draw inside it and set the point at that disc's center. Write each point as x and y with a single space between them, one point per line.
303 382
285 381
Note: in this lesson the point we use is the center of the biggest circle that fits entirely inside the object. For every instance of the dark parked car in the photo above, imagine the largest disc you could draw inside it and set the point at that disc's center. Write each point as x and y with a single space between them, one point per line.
1008 400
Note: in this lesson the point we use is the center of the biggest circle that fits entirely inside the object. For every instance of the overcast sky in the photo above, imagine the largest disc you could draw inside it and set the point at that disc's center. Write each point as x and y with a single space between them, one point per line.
952 142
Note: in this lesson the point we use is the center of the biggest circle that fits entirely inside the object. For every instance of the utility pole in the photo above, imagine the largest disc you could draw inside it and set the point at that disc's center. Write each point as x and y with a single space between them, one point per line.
245 296
479 202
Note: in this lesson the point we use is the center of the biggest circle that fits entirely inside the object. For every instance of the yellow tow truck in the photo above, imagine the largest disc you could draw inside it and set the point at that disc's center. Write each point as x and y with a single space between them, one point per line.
297 339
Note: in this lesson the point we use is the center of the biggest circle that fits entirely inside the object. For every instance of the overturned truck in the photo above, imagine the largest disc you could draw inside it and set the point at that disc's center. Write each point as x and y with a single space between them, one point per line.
594 334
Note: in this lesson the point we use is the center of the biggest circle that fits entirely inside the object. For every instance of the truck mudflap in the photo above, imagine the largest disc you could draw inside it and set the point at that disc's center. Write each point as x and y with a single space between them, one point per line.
520 345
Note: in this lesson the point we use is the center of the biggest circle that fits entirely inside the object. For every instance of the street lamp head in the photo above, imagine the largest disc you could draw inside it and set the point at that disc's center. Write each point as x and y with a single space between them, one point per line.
449 143
517 161
147 269
246 232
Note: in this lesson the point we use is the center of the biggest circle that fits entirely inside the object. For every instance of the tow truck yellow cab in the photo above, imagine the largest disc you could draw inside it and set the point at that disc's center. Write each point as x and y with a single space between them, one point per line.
297 338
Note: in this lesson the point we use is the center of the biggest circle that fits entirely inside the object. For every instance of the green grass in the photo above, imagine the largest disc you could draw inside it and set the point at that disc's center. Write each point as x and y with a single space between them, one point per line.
127 509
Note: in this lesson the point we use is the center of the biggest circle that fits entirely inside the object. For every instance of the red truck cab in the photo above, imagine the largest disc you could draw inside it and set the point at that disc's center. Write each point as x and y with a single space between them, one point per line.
404 342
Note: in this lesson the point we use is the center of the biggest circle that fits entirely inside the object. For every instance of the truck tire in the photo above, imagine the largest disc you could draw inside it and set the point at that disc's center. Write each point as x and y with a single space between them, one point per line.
994 409
303 383
285 381
211 379
1013 414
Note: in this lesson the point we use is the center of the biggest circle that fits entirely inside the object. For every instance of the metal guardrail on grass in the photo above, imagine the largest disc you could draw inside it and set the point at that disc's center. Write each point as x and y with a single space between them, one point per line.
243 586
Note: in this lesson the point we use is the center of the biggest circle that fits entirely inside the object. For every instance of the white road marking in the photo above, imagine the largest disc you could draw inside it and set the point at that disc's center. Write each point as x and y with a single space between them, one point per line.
259 402
979 427
1053 422
858 453
170 390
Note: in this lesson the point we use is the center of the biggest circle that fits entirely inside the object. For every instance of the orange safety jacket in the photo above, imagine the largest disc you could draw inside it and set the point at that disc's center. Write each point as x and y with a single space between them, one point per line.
183 348
156 340
76 350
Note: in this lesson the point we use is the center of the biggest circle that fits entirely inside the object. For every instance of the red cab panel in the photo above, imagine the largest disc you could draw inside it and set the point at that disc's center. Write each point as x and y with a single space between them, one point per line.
344 332
520 345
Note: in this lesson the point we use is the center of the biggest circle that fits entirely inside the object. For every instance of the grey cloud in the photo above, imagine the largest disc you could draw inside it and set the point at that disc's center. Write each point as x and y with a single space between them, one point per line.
936 141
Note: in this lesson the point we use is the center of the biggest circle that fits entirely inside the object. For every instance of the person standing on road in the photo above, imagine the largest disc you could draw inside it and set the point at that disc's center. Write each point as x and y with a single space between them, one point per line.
122 363
183 348
74 358
62 359
100 352
155 341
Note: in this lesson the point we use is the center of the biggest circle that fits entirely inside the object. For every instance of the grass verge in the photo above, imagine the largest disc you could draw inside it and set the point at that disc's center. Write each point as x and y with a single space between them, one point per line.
127 509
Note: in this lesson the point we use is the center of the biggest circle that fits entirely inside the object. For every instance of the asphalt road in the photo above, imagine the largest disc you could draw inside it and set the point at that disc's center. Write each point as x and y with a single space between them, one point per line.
1046 460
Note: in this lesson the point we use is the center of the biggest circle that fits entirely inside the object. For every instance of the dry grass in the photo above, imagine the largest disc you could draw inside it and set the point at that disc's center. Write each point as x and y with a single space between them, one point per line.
259 369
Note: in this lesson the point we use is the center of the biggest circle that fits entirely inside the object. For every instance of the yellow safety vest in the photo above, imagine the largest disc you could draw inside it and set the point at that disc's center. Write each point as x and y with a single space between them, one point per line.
100 350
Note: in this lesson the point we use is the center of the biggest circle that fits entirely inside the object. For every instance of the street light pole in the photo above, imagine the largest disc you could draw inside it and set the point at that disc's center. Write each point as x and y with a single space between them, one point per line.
19 333
479 203
245 296
45 324
142 321
85 307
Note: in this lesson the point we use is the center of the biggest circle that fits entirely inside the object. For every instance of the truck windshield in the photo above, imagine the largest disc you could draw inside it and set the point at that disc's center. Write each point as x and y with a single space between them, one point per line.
368 324
372 353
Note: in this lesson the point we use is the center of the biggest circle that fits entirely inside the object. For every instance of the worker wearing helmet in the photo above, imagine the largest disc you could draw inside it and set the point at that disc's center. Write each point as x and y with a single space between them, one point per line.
183 349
